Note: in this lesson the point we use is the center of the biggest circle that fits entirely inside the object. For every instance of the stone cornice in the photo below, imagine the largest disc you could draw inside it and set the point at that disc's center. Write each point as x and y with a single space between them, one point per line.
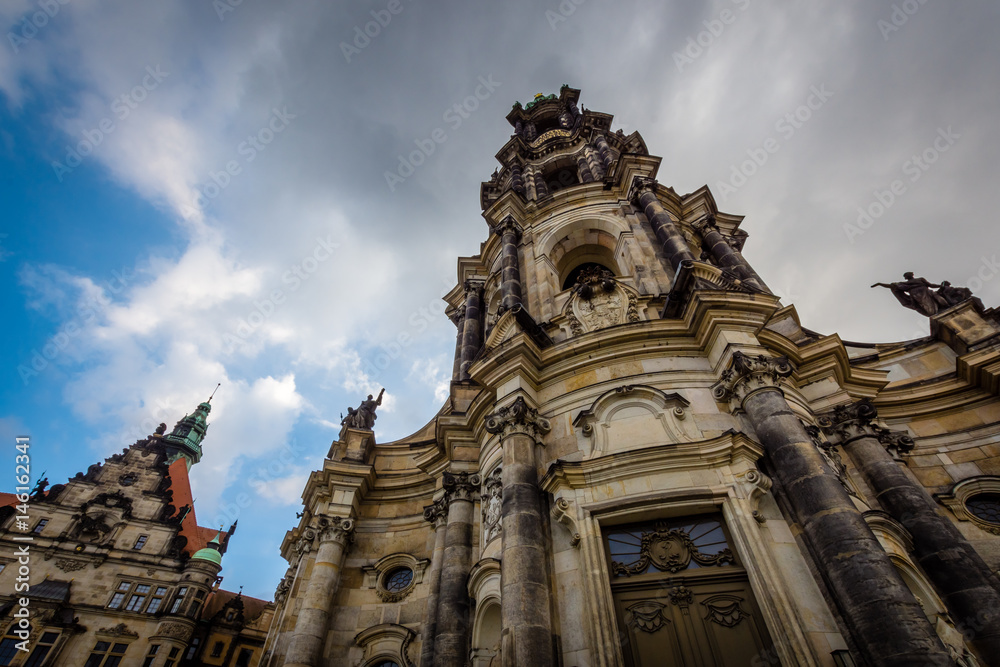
747 374
460 486
518 418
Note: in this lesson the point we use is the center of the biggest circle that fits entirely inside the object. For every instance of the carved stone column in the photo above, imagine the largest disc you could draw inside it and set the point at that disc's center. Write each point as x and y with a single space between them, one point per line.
958 572
603 150
725 256
525 607
472 331
674 245
541 189
437 514
586 176
884 618
510 267
458 318
335 533
516 179
451 641
596 168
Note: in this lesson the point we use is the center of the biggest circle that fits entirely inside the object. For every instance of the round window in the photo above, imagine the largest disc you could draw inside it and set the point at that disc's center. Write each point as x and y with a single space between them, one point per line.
387 663
398 579
985 506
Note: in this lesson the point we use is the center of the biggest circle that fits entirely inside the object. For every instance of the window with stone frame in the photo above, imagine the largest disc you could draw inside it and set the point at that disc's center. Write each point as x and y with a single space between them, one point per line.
179 599
195 643
40 526
244 658
8 646
172 657
151 655
156 600
106 654
217 649
42 649
140 542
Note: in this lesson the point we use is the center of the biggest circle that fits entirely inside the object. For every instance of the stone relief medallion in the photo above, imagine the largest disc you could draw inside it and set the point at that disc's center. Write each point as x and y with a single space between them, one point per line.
669 551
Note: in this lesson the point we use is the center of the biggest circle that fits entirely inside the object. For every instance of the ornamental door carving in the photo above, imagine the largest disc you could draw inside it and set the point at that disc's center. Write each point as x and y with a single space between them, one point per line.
682 598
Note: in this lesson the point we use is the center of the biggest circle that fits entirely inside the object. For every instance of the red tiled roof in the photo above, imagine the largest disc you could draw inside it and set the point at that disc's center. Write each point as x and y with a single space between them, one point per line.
7 499
197 536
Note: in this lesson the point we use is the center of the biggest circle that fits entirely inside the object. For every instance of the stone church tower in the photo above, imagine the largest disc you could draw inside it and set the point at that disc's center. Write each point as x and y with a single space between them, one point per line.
646 460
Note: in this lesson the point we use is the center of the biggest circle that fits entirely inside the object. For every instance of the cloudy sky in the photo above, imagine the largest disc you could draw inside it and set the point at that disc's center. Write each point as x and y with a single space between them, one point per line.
196 192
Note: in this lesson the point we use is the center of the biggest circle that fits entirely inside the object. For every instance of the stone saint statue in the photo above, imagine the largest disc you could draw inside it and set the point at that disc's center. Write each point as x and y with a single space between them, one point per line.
917 294
364 417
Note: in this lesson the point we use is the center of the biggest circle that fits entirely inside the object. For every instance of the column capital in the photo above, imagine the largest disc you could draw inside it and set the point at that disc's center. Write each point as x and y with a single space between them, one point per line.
747 374
437 513
896 443
460 486
508 224
336 529
851 421
457 316
706 224
640 186
518 417
473 285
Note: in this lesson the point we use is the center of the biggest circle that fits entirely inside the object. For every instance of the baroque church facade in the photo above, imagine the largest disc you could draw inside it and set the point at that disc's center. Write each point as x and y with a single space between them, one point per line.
121 574
645 459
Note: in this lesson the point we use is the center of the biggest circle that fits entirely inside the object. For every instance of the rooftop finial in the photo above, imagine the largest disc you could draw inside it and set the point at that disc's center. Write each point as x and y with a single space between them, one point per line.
213 392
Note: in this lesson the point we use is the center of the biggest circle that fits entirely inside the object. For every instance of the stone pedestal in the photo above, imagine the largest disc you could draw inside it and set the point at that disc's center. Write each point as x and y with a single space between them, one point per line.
963 327
354 444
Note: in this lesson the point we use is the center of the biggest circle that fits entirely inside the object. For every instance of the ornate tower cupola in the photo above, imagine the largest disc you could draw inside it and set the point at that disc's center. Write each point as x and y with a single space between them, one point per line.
185 439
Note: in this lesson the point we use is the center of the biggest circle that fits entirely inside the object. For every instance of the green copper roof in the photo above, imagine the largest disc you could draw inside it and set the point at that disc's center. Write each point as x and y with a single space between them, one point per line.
185 439
211 552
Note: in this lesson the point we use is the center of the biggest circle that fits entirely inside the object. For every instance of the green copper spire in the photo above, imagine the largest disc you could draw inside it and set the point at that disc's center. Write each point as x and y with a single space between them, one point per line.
185 439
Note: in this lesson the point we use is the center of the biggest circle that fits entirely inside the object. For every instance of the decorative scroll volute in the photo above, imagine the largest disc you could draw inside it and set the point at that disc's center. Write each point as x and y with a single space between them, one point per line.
437 513
747 374
460 486
518 418
847 422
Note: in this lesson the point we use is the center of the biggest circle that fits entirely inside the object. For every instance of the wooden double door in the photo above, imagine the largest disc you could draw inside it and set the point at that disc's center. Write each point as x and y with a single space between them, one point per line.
682 599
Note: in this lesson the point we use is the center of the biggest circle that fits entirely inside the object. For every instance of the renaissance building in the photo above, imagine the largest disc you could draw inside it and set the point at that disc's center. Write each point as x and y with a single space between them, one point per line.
121 574
645 459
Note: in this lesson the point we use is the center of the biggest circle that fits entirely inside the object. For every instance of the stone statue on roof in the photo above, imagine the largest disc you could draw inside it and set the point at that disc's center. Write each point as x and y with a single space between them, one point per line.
364 417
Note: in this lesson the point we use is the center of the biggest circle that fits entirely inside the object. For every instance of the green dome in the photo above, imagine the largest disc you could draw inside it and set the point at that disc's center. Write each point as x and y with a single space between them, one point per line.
210 553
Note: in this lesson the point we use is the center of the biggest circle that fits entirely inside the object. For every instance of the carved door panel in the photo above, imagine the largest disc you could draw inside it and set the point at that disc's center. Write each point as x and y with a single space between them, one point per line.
682 599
